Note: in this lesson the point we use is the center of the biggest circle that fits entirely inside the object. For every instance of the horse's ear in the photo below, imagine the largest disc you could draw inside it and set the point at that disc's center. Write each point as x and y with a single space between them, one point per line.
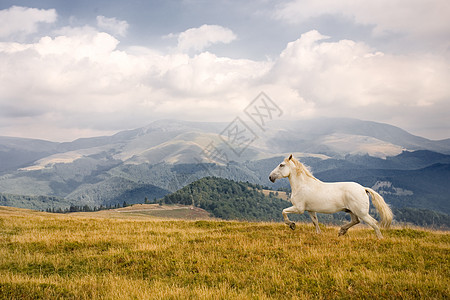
290 157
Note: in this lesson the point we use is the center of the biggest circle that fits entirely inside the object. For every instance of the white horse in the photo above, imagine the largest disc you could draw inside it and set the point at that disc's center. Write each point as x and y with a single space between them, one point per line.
312 195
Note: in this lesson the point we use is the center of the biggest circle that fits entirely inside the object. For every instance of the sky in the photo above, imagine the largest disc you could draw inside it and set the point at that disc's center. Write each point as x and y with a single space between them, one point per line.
72 69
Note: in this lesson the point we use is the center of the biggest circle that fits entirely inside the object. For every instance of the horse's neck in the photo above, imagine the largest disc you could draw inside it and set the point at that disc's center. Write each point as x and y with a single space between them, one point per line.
299 181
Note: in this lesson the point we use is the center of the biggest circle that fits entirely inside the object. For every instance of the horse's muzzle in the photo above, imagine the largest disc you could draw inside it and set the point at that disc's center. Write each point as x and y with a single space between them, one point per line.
272 178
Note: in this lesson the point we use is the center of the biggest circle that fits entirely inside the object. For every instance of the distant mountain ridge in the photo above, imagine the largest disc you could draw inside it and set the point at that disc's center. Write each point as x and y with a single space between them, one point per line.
166 155
332 137
310 135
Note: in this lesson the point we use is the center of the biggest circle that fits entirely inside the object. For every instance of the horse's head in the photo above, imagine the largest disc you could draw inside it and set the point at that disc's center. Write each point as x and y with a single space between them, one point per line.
282 170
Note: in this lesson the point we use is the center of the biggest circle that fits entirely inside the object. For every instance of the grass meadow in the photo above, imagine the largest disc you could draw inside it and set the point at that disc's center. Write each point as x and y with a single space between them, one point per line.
49 256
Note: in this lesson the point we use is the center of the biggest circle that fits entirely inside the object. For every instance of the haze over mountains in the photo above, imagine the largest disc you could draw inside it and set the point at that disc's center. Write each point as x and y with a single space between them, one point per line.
166 155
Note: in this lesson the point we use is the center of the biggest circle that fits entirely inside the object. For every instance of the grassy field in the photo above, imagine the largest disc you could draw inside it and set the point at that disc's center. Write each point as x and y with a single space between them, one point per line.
94 256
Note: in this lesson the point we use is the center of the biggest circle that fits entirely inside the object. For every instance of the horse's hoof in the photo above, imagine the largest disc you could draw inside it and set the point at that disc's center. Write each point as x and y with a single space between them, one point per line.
342 232
292 226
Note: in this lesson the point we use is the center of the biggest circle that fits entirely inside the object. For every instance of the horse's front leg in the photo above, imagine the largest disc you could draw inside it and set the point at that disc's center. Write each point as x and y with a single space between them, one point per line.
313 216
290 210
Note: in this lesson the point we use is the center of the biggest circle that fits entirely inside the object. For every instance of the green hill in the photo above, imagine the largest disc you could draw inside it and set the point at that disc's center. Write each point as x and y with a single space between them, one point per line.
230 200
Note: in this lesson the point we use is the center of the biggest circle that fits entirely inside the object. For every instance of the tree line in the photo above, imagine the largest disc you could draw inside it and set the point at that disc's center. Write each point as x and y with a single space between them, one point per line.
87 208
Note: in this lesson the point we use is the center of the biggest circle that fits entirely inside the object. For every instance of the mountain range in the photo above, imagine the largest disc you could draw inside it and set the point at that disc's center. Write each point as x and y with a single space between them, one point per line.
160 158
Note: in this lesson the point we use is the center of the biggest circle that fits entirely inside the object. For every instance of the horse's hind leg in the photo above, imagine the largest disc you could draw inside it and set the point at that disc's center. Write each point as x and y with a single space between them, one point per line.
372 223
289 210
313 216
346 227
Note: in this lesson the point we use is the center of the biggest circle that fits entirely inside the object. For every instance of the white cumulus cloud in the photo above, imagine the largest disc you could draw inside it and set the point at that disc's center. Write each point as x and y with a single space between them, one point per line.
112 25
349 79
413 18
76 82
79 79
23 20
204 36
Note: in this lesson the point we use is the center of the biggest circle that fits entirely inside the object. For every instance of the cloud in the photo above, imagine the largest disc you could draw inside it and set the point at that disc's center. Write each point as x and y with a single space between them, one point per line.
112 25
414 18
18 20
78 83
349 79
79 79
204 36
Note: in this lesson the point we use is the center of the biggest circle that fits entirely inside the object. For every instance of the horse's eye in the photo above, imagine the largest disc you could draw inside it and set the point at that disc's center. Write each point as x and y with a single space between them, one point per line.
281 165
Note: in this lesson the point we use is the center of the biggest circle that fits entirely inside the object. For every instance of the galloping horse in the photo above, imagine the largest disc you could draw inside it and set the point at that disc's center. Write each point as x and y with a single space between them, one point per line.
314 196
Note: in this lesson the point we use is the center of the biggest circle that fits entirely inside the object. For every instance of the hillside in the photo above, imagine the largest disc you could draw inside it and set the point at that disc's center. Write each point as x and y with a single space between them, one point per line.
51 256
165 156
229 200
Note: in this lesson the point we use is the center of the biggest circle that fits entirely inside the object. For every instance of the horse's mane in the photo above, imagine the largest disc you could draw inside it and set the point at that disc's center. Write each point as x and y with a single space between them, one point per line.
301 168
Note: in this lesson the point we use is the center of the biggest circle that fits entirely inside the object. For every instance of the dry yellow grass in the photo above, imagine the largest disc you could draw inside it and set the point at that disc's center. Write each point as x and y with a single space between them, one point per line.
48 256
278 194
153 211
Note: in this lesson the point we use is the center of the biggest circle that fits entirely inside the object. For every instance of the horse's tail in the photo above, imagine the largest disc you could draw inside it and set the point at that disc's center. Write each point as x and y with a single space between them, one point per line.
383 209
